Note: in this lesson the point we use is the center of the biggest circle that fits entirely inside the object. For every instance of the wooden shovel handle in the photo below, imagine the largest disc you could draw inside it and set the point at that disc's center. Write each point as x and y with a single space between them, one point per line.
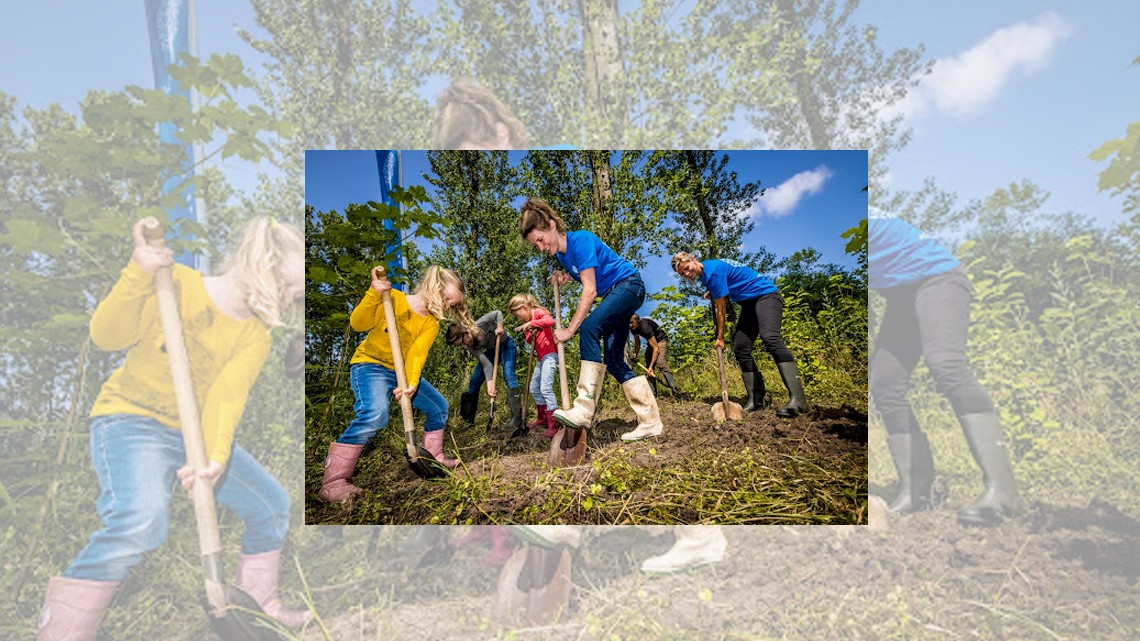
526 386
495 365
398 361
565 385
723 381
205 511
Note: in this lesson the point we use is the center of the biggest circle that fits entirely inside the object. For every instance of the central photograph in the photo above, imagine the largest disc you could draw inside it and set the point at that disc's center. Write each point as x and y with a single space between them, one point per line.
586 337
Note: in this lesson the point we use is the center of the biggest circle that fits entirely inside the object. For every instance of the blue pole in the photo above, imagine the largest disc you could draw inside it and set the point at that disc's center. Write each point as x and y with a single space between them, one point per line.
388 165
170 27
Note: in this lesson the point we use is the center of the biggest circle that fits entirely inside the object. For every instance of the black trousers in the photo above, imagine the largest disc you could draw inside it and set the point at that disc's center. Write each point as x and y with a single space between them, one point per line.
930 320
760 317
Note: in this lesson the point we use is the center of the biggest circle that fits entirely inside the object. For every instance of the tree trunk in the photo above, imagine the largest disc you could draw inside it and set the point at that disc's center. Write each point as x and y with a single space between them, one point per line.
603 193
603 71
697 182
805 96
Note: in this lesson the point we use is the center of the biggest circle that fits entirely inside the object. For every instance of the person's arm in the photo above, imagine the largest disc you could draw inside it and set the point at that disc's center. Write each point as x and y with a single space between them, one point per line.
541 320
636 346
498 316
417 354
366 315
653 360
484 362
225 401
122 318
589 293
495 317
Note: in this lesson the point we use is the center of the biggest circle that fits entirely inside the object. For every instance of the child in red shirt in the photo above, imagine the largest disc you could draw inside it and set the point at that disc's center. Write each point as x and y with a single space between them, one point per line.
538 324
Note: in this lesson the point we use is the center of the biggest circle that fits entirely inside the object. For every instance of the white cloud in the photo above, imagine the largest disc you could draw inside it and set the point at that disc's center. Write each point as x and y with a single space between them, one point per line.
967 83
781 200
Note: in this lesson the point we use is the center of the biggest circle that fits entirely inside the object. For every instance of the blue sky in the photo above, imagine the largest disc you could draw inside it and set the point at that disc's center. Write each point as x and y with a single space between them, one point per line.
812 197
1025 89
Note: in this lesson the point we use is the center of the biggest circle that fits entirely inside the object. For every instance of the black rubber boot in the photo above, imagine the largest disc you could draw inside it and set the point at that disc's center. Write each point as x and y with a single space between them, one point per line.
797 404
468 406
914 463
672 384
754 391
514 423
424 545
987 443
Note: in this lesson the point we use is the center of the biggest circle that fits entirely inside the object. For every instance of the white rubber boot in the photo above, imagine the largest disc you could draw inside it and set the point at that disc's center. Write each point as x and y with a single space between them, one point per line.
644 405
589 384
696 545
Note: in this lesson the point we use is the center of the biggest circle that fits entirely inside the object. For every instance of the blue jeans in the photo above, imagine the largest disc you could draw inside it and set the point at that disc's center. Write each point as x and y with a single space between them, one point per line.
508 352
609 324
135 459
372 386
542 381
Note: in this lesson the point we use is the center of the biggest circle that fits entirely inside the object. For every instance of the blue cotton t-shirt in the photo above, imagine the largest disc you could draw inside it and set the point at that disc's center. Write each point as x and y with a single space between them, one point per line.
585 250
899 253
737 281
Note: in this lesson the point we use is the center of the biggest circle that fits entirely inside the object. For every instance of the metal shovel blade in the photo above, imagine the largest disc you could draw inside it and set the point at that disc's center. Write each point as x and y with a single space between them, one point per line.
424 464
242 619
727 411
525 595
562 453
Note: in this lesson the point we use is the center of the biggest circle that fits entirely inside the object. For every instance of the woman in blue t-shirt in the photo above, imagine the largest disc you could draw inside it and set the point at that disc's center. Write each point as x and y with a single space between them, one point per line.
927 316
761 314
605 330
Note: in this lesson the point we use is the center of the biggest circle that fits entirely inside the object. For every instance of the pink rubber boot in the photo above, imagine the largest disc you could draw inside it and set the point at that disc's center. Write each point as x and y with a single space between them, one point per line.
257 576
433 442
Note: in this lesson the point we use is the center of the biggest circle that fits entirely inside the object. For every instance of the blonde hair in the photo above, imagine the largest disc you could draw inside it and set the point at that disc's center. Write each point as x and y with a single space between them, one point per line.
519 301
536 213
431 289
260 261
682 257
469 112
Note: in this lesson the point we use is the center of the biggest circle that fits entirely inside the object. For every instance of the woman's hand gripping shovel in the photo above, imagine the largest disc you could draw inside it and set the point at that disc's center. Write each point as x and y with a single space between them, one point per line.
568 447
419 459
234 615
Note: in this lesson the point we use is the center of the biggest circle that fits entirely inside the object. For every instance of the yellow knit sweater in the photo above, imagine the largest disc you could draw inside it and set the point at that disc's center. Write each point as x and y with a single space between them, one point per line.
226 356
417 333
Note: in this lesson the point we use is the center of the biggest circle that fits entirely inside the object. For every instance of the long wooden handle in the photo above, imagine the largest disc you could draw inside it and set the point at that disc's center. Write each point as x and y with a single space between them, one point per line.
723 381
495 365
398 361
565 386
205 511
526 386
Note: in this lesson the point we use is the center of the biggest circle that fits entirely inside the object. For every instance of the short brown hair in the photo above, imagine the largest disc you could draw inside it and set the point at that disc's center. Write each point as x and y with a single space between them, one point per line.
459 330
536 213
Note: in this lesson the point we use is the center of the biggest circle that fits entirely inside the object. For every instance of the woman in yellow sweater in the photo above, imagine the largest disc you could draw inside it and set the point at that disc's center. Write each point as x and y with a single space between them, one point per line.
373 378
136 445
